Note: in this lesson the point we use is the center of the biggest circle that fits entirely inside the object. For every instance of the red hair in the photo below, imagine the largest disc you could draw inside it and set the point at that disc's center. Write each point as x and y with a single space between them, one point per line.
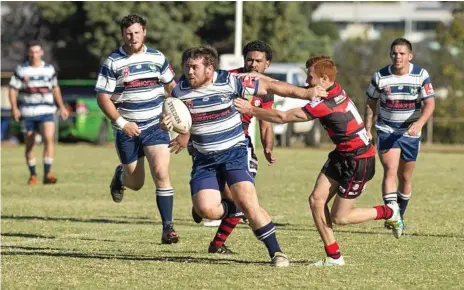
323 65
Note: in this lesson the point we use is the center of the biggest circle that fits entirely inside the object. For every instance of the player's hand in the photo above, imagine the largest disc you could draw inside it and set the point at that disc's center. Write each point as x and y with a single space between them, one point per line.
271 159
16 114
243 106
414 129
131 129
179 143
166 122
369 134
64 113
316 92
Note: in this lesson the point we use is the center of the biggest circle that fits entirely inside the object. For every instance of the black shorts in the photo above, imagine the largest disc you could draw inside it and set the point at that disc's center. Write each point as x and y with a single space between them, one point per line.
352 174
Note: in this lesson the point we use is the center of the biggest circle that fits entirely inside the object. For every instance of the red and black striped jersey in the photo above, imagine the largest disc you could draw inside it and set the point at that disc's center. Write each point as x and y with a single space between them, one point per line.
265 102
340 118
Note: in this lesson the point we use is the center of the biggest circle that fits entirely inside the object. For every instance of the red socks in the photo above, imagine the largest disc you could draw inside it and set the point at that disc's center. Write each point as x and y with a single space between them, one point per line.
333 251
383 212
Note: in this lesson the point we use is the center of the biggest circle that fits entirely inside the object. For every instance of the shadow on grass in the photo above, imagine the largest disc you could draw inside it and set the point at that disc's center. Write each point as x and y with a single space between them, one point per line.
46 252
188 222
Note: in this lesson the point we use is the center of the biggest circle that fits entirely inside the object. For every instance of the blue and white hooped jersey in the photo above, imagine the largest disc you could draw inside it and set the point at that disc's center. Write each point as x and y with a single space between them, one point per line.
216 124
34 85
400 97
136 84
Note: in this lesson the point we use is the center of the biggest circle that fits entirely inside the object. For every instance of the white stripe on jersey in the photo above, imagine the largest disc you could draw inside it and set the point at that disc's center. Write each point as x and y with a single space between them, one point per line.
135 83
400 97
35 85
216 125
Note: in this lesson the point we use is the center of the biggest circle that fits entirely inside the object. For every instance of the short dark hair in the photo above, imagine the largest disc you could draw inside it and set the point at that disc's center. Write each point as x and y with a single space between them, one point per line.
258 45
132 19
209 54
34 42
401 41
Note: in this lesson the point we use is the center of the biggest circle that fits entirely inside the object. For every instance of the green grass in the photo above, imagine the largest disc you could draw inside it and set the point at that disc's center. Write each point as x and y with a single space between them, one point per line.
72 235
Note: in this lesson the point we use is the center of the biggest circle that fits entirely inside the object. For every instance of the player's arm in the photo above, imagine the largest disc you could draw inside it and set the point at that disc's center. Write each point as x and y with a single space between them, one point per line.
267 139
268 86
373 93
168 88
274 116
369 114
427 111
13 96
56 91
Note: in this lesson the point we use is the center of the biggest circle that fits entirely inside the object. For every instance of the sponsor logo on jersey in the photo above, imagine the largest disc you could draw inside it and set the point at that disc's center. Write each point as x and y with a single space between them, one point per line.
143 83
428 89
257 103
413 90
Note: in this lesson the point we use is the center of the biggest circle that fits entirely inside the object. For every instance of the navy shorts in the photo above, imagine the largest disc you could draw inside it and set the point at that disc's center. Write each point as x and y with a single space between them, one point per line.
212 171
409 145
32 123
131 148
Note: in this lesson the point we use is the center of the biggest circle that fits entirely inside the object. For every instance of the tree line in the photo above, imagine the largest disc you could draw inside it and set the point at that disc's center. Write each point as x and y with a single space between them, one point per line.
80 35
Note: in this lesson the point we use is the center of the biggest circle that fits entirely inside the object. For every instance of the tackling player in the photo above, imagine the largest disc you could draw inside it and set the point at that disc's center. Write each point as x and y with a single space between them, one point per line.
221 146
349 167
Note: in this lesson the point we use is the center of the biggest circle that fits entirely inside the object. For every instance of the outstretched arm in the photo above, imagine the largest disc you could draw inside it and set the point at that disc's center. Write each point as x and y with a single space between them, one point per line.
274 116
269 86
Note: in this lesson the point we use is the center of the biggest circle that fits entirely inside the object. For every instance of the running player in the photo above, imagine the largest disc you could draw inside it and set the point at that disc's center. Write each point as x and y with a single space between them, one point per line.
33 92
349 167
406 103
131 91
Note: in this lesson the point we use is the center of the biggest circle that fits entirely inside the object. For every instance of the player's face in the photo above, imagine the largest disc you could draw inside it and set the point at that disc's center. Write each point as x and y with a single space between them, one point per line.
35 54
400 56
312 79
134 37
256 61
197 73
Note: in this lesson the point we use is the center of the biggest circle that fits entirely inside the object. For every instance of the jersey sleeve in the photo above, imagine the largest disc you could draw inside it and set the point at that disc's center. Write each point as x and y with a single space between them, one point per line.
373 91
427 88
246 86
268 102
16 80
316 109
54 80
166 72
106 82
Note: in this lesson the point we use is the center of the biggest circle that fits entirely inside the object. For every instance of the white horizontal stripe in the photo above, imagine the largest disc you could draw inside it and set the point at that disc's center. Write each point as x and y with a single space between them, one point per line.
37 110
219 147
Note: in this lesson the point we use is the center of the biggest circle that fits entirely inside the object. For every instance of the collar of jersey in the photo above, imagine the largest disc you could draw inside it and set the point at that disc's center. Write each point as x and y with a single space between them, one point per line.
121 49
334 90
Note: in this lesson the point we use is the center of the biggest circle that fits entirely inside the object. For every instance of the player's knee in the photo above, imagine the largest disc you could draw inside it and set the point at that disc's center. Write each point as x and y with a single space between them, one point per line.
339 219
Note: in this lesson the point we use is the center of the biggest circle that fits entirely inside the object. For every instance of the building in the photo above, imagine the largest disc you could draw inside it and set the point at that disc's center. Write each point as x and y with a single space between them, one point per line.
369 19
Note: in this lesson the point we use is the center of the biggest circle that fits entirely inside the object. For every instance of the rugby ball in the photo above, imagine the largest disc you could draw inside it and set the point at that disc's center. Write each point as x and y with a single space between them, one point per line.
180 115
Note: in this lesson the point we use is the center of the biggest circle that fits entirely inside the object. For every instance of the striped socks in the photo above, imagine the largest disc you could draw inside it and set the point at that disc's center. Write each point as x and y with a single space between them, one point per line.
31 164
165 202
266 234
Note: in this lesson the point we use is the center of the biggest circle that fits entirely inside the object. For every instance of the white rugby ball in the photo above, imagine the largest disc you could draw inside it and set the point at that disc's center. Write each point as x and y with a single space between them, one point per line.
180 115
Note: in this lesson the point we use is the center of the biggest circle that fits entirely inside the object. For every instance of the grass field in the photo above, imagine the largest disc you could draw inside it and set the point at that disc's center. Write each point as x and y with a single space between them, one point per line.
72 235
